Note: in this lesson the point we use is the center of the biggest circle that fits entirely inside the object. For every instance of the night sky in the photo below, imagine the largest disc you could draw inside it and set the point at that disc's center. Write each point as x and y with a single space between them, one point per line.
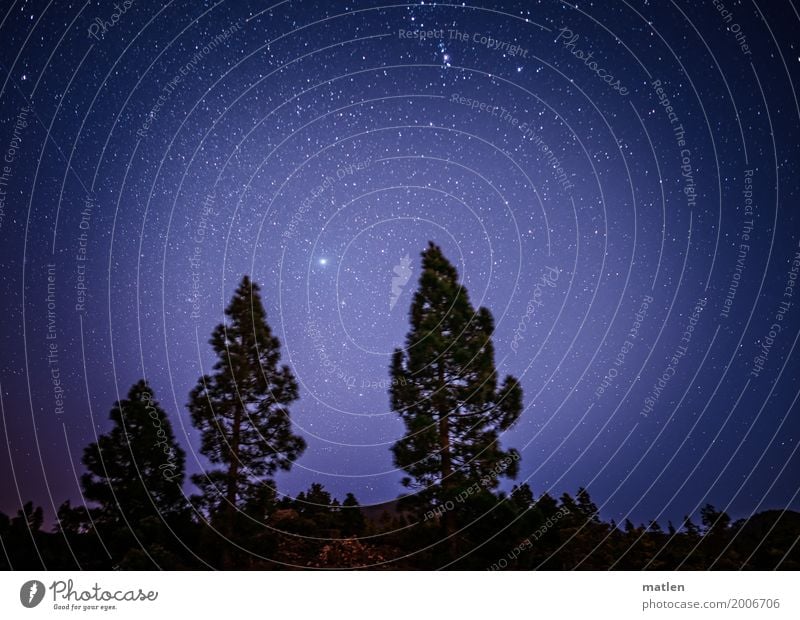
617 182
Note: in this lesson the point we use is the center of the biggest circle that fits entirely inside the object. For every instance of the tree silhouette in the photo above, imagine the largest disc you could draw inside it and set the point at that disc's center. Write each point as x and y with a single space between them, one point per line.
137 468
352 519
532 534
241 410
21 539
445 388
134 474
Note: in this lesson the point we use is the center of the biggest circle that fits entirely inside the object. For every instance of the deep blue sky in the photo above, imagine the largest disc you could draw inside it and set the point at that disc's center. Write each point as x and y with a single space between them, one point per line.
315 145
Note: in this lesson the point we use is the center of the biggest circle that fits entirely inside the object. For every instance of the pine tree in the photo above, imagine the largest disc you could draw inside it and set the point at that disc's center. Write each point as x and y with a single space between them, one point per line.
241 409
135 470
315 501
134 475
586 506
445 388
22 540
713 519
692 531
522 496
352 519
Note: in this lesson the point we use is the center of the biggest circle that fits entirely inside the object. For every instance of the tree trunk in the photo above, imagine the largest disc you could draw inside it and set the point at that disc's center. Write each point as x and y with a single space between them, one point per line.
447 464
232 484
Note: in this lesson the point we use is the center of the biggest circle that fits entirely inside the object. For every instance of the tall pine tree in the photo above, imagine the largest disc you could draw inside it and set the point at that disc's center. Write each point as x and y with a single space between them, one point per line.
241 409
445 388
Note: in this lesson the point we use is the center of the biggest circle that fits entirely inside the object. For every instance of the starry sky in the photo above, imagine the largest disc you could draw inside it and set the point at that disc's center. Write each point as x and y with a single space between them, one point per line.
617 182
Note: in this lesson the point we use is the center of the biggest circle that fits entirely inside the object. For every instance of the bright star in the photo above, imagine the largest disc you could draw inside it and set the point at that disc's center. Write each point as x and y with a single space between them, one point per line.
323 261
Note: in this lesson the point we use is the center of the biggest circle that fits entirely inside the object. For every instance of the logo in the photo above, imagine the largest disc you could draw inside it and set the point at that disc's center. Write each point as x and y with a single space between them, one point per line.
403 274
31 593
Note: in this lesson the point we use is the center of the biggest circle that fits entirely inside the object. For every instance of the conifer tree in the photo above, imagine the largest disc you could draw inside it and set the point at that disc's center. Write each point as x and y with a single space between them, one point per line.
135 470
241 409
352 518
134 474
445 388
